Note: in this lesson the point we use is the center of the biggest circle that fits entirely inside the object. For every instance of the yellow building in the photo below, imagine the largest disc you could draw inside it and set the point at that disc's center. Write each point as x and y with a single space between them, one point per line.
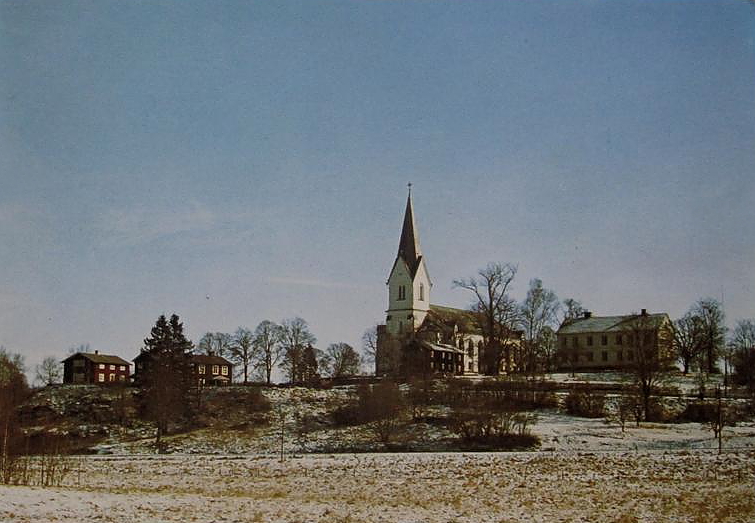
611 342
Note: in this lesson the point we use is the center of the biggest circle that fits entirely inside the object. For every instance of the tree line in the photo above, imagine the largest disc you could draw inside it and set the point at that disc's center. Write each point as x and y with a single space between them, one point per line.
288 345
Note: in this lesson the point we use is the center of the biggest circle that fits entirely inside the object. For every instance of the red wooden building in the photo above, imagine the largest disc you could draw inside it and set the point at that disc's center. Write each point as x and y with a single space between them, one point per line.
208 369
212 370
95 368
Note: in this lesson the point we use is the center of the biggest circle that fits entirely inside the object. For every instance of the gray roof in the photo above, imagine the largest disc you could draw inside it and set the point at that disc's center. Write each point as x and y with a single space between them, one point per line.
596 324
99 358
207 359
441 347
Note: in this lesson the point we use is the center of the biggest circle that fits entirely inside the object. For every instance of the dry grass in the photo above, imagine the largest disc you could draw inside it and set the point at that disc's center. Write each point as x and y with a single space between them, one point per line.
624 488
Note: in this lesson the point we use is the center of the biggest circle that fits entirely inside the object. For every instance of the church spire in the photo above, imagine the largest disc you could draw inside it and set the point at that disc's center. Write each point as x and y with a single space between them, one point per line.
408 247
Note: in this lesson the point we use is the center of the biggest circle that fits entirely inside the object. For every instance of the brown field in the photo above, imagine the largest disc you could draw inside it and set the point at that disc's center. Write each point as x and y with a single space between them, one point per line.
559 486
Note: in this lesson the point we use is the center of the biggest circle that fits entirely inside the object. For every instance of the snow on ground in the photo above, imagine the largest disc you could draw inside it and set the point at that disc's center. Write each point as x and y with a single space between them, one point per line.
697 486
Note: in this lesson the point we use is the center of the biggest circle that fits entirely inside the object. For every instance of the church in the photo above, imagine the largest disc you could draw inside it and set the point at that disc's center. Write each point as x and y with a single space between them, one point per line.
419 337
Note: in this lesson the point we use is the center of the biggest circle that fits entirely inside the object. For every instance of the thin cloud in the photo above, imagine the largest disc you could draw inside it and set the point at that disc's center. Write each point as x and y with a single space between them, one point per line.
313 282
146 224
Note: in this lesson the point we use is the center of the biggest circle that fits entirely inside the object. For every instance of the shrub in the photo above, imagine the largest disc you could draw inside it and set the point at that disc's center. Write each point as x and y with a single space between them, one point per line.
382 405
492 423
585 402
347 415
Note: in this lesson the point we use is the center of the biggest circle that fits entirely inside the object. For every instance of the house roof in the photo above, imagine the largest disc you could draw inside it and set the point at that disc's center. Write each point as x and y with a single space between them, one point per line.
447 317
468 322
202 359
206 359
442 347
606 323
100 358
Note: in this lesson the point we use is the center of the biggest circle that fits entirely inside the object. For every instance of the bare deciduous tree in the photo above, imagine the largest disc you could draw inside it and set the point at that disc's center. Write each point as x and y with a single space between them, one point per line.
48 372
652 356
712 331
343 360
294 338
267 349
215 343
242 350
538 313
369 344
82 347
572 309
742 344
687 342
383 406
13 390
498 313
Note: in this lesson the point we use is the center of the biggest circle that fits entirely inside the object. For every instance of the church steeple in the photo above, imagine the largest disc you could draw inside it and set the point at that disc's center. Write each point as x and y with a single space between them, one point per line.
409 283
408 247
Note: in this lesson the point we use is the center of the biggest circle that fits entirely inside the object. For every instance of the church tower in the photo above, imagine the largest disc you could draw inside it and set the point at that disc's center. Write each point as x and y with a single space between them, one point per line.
409 282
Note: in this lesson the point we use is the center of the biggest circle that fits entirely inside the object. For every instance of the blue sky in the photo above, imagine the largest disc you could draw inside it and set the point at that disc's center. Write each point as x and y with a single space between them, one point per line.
240 161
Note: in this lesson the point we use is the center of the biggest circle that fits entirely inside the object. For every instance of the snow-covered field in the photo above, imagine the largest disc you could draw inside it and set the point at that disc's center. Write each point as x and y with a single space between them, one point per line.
490 487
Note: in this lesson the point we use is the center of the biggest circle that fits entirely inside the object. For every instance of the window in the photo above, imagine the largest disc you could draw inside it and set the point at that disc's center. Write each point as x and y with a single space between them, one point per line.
111 377
432 365
589 341
618 339
123 367
589 356
201 369
604 355
619 355
604 340
563 342
630 355
102 366
421 292
112 367
121 378
201 381
215 369
470 365
101 377
224 370
402 292
575 342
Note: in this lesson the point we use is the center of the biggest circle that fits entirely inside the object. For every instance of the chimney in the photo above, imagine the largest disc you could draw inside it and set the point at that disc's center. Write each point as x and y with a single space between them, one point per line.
587 315
644 312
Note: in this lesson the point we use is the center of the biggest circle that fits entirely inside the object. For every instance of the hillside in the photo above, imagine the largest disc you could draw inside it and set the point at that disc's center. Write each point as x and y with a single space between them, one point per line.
243 420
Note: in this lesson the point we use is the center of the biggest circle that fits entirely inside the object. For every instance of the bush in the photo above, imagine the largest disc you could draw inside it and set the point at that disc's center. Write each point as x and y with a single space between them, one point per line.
348 415
492 423
584 402
507 442
698 412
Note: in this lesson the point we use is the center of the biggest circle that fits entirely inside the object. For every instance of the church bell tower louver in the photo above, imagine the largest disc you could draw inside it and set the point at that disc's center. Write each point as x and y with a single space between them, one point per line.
409 282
